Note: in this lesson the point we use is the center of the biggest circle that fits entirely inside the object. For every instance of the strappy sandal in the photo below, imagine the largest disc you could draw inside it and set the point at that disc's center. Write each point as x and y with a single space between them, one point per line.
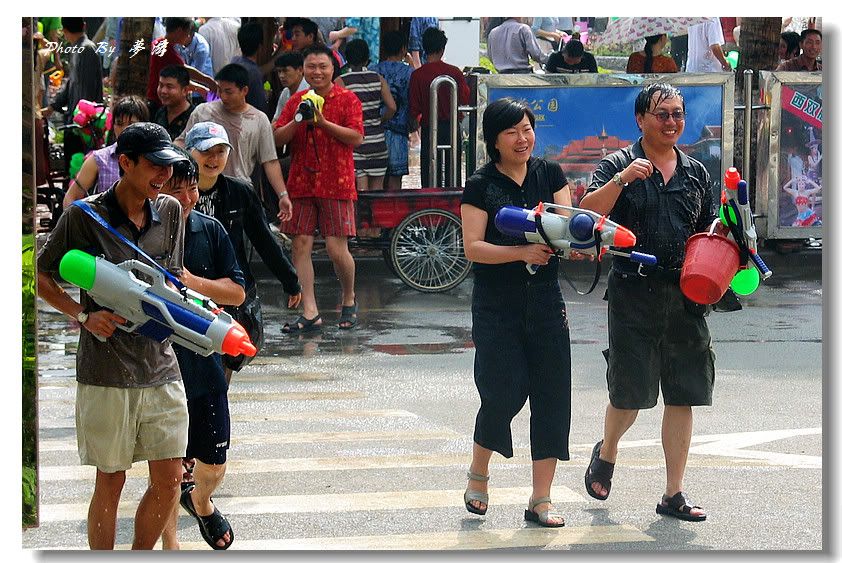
187 464
679 506
302 324
213 527
472 495
598 471
543 517
348 316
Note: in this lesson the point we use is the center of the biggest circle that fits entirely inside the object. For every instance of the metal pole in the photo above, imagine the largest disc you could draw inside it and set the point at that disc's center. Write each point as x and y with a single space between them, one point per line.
747 78
434 126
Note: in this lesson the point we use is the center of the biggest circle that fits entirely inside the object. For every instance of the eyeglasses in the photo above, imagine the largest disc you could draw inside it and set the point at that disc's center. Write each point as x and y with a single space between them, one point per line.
662 116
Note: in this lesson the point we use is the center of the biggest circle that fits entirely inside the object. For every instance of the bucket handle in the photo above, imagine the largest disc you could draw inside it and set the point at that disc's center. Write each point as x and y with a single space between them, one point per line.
713 226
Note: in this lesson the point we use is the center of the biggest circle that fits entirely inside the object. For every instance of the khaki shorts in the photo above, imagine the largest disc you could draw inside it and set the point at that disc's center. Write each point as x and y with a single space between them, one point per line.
116 426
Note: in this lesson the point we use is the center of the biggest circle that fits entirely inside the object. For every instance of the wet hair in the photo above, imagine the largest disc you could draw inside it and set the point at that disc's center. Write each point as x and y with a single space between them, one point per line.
174 24
250 37
235 73
393 42
290 58
128 107
308 26
793 43
663 90
499 116
807 32
356 52
651 40
184 170
434 40
178 72
73 25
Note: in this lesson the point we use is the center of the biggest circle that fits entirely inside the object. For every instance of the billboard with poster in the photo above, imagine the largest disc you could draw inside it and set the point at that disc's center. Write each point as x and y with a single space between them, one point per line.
790 155
581 118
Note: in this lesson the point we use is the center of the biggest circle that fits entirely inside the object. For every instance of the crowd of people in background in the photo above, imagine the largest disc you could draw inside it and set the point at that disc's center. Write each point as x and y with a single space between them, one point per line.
348 102
203 46
560 45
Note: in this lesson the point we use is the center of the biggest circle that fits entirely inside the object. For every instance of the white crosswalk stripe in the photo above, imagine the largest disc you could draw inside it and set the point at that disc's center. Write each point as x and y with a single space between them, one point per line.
339 427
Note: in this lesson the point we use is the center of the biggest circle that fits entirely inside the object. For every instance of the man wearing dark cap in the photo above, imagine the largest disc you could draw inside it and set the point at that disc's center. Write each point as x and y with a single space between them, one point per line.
572 58
130 401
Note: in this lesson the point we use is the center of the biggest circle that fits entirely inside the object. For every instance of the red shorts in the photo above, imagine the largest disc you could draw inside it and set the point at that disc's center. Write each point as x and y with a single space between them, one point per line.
333 217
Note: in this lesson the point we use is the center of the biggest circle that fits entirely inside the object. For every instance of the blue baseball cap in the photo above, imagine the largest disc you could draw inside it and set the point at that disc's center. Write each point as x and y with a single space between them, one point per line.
206 135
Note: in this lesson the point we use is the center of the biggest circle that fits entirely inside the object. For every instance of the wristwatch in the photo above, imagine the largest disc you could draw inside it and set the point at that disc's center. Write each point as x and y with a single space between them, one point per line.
82 318
619 180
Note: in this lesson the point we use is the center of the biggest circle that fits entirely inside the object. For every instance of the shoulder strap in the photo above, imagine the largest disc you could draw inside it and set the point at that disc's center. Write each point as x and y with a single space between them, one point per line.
84 206
598 270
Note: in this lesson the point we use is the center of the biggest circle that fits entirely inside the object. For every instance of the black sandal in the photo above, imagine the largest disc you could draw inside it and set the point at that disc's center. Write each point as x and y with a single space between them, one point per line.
212 527
598 471
679 506
349 316
302 324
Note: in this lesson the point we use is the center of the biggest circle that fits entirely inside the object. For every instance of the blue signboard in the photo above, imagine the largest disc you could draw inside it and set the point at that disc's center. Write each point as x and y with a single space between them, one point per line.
577 126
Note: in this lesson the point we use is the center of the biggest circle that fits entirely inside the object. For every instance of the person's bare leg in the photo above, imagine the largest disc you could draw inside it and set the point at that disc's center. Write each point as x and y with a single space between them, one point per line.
676 432
393 183
480 458
158 502
617 422
375 183
543 471
362 183
302 259
102 512
169 536
343 264
208 478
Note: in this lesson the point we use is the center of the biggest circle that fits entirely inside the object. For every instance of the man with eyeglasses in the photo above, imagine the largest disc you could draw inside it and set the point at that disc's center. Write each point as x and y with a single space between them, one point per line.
655 335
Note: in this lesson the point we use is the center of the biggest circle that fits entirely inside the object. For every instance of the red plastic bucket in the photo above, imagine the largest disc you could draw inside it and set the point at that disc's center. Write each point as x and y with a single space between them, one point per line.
710 262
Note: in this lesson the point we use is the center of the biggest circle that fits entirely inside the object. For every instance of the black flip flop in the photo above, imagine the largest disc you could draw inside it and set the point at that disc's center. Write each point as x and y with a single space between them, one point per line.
211 527
679 506
307 325
348 315
598 471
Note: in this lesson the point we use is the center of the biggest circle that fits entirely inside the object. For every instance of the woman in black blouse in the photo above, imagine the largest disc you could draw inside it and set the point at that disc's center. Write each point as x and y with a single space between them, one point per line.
519 320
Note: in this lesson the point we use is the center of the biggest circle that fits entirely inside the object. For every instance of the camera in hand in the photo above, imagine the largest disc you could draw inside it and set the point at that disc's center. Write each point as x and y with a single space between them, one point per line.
309 105
306 111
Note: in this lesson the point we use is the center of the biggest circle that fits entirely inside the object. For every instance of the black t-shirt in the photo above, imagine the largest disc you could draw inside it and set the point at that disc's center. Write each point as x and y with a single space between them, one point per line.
662 217
208 253
556 64
176 127
490 190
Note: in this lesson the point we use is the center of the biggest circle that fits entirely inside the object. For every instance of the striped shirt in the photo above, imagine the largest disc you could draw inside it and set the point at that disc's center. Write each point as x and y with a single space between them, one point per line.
372 156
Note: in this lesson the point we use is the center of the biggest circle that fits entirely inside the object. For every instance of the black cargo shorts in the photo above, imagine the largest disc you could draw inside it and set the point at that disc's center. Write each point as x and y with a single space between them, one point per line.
656 335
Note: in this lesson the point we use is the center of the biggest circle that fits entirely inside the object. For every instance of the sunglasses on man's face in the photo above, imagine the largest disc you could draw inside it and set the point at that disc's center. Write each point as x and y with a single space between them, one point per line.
662 116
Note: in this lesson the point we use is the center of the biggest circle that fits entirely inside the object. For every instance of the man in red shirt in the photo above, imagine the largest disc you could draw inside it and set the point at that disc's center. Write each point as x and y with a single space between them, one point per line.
162 54
321 184
434 41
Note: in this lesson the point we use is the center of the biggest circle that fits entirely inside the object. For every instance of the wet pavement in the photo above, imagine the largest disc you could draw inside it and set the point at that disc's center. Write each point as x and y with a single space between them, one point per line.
359 439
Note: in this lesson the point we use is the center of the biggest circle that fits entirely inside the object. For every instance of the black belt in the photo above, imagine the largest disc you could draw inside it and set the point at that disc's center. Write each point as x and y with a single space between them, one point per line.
658 273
